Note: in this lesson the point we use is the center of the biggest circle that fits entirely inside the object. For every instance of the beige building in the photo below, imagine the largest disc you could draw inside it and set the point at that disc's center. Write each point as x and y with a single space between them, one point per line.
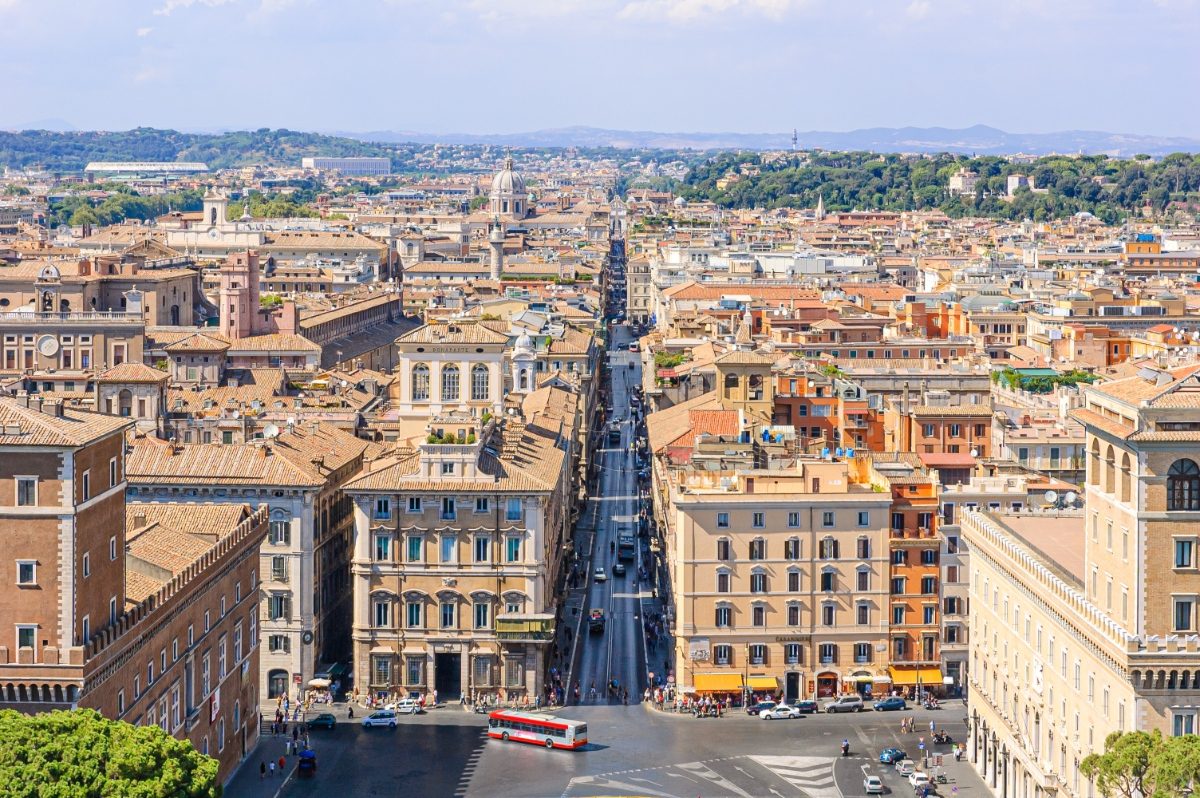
779 579
459 546
1086 625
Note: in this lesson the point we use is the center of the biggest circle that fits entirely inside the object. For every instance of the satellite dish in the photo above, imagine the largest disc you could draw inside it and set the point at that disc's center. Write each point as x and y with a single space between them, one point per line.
291 422
974 452
237 414
1070 497
271 431
1051 497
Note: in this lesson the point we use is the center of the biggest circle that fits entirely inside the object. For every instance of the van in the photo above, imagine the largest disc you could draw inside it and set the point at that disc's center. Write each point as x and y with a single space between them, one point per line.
845 703
380 717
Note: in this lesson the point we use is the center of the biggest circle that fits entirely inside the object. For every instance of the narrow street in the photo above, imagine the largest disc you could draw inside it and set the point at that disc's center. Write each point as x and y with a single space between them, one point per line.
618 652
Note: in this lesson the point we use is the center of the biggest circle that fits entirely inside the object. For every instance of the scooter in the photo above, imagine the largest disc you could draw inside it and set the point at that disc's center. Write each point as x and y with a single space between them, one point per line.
845 748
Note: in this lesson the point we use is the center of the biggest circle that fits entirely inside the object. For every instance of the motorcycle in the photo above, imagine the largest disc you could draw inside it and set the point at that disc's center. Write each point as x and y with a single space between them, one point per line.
845 748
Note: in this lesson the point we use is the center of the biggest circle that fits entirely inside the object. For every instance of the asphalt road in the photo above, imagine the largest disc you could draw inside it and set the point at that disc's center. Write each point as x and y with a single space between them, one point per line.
633 751
618 653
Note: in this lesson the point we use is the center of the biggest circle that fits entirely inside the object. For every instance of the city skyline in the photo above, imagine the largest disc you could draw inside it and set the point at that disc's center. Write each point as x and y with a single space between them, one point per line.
773 64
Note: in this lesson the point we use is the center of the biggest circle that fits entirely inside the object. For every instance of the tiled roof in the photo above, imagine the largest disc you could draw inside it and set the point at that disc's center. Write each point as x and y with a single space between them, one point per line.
665 426
24 426
133 373
1139 388
171 536
744 359
197 342
464 331
971 411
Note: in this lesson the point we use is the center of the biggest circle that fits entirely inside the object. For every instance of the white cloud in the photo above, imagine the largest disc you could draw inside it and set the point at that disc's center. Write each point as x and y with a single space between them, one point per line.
918 9
692 10
171 6
144 32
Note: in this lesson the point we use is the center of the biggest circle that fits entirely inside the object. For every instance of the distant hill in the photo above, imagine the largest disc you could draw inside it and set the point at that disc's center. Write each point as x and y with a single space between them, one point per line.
977 140
70 151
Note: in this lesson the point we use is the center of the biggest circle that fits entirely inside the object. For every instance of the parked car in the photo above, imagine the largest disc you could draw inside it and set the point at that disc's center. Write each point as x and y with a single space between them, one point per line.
779 711
906 767
600 575
633 347
873 785
845 703
380 717
889 704
806 707
890 756
755 709
407 706
918 779
324 720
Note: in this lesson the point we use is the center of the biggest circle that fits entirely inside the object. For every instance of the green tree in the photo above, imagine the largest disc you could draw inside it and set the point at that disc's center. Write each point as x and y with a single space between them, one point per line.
84 215
1144 765
62 754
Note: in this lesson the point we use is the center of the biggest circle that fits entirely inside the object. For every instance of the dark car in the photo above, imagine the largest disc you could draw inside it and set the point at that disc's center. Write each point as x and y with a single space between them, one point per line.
807 707
754 709
890 756
325 720
619 569
889 704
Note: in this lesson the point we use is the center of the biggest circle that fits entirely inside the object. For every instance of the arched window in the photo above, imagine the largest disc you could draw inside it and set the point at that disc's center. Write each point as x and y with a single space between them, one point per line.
1110 470
1126 477
420 383
1094 463
1183 486
277 683
125 403
731 381
480 387
524 380
450 384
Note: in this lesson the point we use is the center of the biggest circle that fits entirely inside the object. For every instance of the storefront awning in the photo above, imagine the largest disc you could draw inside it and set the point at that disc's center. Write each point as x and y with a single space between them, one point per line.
923 676
763 683
718 682
861 678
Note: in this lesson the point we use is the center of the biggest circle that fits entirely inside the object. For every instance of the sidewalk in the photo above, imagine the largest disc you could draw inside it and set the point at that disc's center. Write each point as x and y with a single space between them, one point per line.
246 782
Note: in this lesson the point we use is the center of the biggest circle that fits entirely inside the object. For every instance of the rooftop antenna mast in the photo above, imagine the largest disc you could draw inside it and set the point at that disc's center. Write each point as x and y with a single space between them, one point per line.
795 139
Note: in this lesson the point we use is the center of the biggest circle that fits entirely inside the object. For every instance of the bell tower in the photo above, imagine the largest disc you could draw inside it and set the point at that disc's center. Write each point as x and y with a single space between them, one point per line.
216 206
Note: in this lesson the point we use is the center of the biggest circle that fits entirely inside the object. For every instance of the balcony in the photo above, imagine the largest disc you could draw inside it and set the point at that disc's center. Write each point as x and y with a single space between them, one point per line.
525 628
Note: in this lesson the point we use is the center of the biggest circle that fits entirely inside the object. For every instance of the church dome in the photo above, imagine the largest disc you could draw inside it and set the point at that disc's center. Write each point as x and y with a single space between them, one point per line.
508 181
525 342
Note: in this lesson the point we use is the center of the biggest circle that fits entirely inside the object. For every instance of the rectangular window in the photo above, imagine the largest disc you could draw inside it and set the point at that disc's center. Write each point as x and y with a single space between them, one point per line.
383 547
758 654
862 652
26 572
723 582
723 655
1183 614
898 611
112 473
793 581
758 583
416 546
897 585
864 580
793 615
483 549
281 533
383 508
864 548
383 614
724 617
758 549
27 491
414 504
759 615
928 585
792 653
793 520
512 511
863 612
827 518
279 643
449 509
415 670
791 549
447 614
1185 552
864 518
828 581
723 549
1183 723
722 520
482 615
929 614
827 653
758 520
414 614
86 486
481 504
449 552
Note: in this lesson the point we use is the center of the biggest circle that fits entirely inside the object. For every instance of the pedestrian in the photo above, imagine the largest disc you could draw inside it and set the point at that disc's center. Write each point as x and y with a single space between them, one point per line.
435 698
295 733
282 764
932 726
262 770
272 769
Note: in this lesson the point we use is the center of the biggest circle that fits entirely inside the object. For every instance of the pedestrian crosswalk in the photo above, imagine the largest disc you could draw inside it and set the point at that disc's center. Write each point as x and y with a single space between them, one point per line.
813 775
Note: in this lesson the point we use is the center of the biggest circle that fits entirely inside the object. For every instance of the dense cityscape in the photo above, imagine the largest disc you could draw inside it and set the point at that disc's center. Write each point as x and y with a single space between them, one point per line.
773 462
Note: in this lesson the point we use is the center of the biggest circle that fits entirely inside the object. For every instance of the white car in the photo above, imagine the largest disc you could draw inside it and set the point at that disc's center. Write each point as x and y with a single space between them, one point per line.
406 706
918 779
381 717
779 711
600 575
873 785
906 767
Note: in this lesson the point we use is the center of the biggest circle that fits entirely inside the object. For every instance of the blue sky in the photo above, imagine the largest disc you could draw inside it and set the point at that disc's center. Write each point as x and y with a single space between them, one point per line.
481 66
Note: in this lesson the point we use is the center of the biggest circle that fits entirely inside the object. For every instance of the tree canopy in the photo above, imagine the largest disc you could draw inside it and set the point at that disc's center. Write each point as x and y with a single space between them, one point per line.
1145 765
69 754
1109 188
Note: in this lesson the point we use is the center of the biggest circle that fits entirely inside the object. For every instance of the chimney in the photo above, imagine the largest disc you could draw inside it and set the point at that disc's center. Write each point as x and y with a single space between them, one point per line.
35 403
23 398
139 520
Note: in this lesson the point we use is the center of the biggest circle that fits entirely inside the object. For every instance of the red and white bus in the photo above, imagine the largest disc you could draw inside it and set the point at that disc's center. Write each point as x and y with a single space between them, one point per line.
530 727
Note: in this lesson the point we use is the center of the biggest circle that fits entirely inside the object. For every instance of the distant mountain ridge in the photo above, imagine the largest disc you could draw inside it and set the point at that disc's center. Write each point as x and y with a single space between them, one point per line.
978 139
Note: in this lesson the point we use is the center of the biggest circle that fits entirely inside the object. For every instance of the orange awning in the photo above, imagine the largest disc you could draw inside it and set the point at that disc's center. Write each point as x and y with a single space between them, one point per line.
718 682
